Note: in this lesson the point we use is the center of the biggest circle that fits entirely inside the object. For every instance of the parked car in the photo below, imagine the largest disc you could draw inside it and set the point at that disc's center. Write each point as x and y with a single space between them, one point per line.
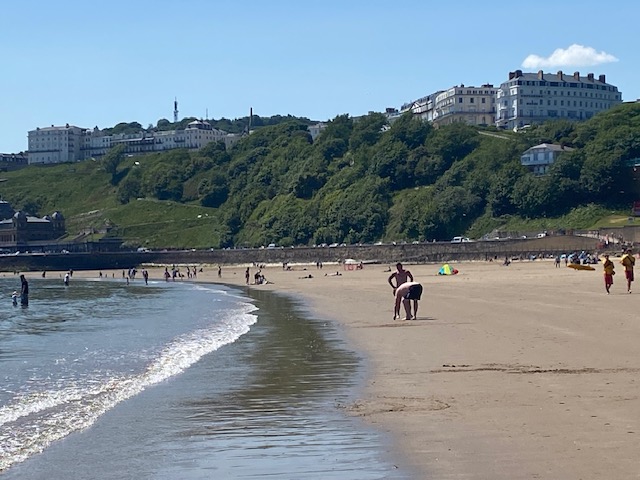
460 240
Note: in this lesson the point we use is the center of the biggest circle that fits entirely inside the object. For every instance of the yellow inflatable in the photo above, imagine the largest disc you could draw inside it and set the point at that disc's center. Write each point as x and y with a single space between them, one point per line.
576 266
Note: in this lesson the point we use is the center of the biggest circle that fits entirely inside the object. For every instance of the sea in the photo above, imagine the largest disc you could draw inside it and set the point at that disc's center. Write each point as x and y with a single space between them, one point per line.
177 380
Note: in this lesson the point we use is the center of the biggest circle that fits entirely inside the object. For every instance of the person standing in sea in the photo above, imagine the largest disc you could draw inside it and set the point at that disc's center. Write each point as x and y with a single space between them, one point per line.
24 291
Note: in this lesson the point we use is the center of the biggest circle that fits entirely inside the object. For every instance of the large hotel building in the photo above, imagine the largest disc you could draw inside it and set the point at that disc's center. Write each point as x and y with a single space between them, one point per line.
524 99
528 98
73 144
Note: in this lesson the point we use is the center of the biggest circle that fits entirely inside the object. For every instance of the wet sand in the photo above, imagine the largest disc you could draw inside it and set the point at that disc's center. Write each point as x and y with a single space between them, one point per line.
525 371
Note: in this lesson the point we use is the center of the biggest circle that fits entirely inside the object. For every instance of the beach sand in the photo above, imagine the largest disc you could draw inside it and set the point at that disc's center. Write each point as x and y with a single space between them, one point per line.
525 371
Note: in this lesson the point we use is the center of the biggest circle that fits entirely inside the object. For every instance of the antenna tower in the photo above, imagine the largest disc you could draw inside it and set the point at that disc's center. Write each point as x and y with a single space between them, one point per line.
175 110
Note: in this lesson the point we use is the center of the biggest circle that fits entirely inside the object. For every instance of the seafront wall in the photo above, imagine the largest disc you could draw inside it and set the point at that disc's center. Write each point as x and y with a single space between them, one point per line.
409 253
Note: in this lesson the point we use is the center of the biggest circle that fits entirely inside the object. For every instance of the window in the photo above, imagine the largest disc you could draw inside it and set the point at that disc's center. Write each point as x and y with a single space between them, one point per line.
459 99
484 100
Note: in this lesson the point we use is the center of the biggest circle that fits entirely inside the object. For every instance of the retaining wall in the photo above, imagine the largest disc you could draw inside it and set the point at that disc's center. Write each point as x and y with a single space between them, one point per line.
408 253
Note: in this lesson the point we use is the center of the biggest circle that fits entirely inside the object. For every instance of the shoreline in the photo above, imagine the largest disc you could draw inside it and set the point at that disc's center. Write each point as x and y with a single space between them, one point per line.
508 372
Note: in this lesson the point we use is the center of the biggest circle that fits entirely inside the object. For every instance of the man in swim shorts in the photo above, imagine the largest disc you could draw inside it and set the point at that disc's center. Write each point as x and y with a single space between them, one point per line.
405 293
401 276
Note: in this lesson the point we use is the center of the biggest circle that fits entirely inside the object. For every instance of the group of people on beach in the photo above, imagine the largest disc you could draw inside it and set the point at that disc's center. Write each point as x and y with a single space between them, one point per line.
628 261
405 291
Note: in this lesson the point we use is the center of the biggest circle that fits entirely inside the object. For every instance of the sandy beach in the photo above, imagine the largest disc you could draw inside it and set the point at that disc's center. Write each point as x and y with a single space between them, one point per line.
525 371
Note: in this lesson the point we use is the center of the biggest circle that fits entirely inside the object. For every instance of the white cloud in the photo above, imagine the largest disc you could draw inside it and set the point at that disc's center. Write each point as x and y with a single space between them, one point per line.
574 56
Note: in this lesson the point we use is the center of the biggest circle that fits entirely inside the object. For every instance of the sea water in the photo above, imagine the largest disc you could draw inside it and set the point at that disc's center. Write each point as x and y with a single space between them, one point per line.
171 380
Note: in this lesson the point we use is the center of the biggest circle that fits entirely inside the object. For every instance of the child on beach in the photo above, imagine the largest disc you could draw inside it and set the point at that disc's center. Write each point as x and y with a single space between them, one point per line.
608 272
14 298
628 261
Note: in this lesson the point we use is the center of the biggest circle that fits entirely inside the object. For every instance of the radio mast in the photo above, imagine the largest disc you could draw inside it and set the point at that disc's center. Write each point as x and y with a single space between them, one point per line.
175 110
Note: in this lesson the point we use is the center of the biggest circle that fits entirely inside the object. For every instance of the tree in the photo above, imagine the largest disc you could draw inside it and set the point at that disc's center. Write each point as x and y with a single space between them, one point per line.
130 187
367 130
112 160
410 130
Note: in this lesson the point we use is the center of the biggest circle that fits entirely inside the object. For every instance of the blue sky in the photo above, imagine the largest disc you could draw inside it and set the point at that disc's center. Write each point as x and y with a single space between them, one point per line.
97 64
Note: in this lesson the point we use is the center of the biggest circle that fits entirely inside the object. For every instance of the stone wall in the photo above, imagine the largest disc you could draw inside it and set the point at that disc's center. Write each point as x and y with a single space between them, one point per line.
408 253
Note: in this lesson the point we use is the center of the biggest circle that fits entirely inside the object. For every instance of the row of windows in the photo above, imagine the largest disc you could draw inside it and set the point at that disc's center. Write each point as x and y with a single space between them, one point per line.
576 103
472 100
514 91
543 83
573 114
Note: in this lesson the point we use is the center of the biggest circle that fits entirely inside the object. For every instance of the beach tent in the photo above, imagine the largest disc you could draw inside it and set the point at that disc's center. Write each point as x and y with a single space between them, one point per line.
446 269
351 264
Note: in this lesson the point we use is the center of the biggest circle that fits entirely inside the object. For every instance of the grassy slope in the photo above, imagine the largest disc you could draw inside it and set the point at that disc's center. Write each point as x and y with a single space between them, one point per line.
82 192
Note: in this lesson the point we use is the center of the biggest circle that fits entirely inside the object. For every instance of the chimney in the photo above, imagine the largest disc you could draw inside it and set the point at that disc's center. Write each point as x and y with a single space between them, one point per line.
518 73
560 76
540 75
590 77
602 78
576 75
512 75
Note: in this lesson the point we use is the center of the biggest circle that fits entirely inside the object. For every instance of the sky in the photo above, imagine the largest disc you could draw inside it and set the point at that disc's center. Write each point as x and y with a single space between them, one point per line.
101 63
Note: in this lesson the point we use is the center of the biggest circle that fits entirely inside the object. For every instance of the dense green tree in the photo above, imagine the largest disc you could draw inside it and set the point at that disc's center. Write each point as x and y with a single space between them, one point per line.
501 193
213 191
130 187
409 130
452 142
112 160
367 130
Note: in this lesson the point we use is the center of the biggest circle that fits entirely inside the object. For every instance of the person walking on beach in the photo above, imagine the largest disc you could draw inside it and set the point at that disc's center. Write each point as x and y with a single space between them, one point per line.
24 291
405 293
401 276
609 272
247 276
628 261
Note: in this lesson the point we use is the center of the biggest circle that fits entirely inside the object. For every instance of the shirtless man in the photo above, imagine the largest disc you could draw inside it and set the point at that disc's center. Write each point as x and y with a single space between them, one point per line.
404 294
401 276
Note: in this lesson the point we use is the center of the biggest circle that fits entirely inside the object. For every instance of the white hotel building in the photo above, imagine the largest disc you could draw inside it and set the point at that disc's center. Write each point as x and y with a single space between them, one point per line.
524 99
73 144
471 105
528 98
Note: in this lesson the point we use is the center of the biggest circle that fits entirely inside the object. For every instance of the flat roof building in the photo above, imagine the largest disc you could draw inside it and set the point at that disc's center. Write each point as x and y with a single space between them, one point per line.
74 144
527 98
470 105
